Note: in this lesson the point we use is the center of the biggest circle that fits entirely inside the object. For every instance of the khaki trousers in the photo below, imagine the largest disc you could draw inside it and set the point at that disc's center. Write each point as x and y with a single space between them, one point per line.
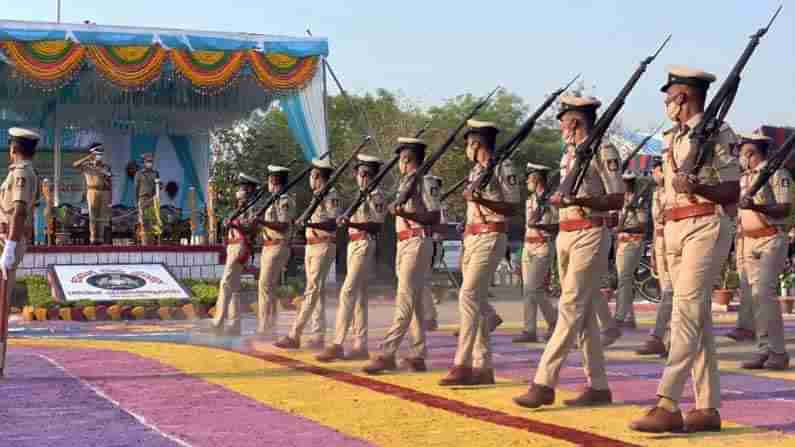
764 260
536 261
745 314
628 255
98 214
5 301
352 308
317 263
482 254
662 321
412 262
582 263
272 262
428 305
227 306
601 306
695 249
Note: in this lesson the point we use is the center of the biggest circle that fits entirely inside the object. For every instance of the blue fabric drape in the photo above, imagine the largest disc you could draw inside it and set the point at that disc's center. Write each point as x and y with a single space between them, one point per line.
139 145
297 122
182 148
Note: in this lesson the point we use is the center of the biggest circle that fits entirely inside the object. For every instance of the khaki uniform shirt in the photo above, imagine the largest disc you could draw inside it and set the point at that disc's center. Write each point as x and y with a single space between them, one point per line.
657 208
503 187
328 210
775 192
548 217
98 177
422 200
281 211
603 178
721 167
373 210
145 183
21 185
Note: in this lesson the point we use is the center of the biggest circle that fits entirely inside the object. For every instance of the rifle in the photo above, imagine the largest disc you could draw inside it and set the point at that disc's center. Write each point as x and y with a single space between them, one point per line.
570 185
426 166
373 184
634 203
716 111
261 192
318 198
505 151
782 156
625 163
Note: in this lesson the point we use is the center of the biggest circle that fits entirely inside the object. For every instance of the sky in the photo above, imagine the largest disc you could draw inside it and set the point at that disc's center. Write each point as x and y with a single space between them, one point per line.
431 51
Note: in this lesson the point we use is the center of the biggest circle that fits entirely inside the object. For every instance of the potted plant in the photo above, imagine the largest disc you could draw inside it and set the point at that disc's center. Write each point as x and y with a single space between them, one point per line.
729 282
786 301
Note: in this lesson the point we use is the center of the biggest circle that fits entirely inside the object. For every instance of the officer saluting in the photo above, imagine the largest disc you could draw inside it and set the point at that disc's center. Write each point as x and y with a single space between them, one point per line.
145 190
18 194
763 225
98 190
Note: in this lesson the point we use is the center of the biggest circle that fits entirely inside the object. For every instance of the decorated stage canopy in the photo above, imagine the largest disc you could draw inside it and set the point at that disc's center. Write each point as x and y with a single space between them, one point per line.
152 90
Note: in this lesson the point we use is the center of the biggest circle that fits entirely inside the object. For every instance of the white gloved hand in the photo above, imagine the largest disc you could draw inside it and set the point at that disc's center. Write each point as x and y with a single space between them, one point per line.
7 258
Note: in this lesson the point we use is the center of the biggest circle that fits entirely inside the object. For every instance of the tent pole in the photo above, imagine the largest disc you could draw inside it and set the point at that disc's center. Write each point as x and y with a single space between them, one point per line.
325 105
56 158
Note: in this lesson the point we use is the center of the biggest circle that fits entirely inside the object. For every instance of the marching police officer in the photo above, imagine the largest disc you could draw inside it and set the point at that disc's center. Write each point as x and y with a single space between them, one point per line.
97 176
538 254
629 250
363 229
239 244
698 221
275 249
145 189
582 248
658 341
18 194
413 222
764 227
485 241
321 251
428 305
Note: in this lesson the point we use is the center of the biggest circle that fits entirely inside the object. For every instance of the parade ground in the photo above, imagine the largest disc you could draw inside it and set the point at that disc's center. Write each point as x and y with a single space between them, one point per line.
159 383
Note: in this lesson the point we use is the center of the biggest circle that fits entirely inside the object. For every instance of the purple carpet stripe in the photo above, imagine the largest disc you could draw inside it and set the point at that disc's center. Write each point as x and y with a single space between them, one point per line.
178 403
40 405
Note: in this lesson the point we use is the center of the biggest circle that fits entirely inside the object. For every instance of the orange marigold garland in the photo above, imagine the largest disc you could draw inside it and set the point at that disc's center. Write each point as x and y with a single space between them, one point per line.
210 72
281 72
46 64
129 67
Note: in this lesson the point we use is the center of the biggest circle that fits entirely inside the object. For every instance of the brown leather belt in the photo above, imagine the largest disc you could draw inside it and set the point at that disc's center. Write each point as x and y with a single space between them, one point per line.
624 237
581 224
483 228
358 236
273 242
535 240
760 233
686 212
320 240
412 232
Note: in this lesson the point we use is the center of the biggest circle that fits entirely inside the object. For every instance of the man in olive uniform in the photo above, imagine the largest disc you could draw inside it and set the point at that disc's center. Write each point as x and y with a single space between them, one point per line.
363 229
537 255
413 222
698 221
582 249
659 339
239 242
98 190
439 230
321 251
275 250
18 195
145 190
629 249
485 241
764 227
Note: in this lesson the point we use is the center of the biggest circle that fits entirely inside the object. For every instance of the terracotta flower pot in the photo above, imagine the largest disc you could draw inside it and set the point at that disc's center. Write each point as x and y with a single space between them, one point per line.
194 311
211 312
139 312
166 313
787 303
114 312
70 314
722 296
40 313
28 313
